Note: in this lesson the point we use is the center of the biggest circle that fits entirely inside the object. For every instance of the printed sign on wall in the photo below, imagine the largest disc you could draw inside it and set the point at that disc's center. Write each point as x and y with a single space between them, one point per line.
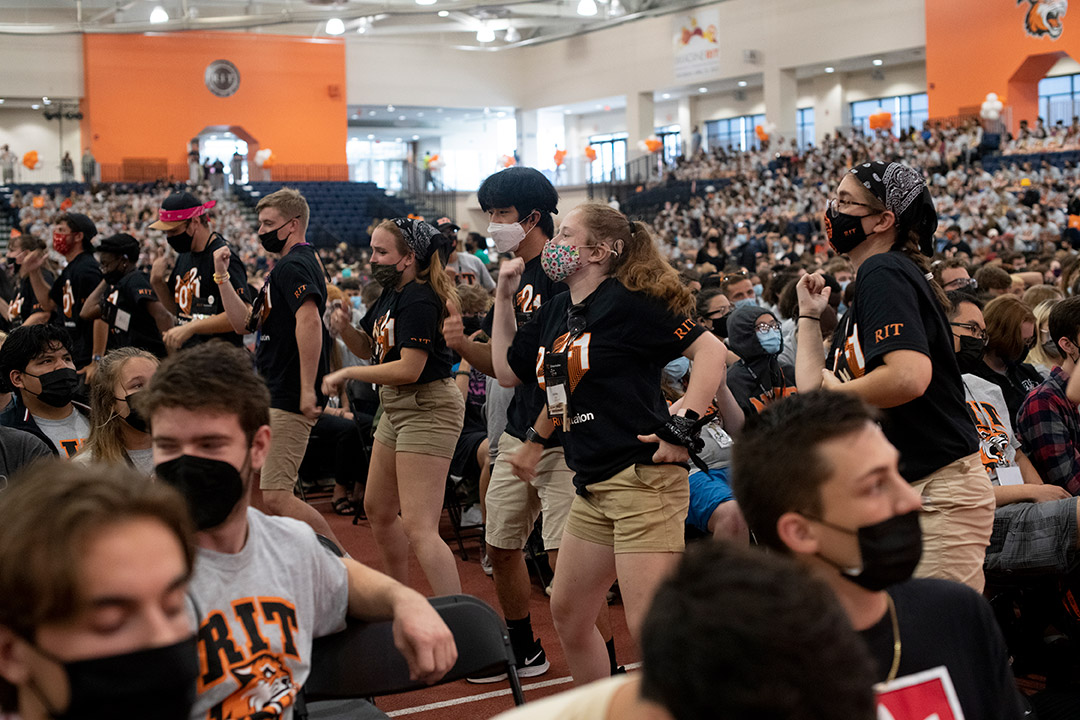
697 47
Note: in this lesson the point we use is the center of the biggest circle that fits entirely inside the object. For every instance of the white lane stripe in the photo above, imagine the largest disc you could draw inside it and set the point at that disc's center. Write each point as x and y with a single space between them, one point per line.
489 695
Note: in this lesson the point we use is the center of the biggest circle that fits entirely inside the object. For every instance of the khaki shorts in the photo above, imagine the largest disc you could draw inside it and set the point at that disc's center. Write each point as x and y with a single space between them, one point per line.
640 509
956 522
289 434
421 418
512 505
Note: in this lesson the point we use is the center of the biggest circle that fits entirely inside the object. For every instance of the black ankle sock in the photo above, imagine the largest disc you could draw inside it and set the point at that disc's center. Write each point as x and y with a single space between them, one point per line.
611 655
521 635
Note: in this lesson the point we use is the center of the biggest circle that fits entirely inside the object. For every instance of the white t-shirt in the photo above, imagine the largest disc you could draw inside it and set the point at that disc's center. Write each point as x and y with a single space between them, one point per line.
66 435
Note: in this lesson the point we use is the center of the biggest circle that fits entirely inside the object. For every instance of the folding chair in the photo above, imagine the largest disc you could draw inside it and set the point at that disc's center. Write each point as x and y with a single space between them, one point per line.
362 661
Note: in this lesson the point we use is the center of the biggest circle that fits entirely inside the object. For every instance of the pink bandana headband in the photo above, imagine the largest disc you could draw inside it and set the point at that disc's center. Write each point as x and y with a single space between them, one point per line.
184 213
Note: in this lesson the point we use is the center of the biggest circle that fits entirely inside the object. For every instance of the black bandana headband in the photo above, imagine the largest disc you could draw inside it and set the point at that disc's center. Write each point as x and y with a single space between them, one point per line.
904 193
423 239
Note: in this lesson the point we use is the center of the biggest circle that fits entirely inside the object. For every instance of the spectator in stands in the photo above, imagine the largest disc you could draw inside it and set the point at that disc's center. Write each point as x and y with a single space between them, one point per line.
712 251
24 308
1035 528
67 168
7 165
35 362
466 268
293 344
187 288
953 274
264 587
732 634
893 348
739 289
422 408
627 519
1048 422
713 311
89 167
758 378
72 237
835 500
1045 354
954 243
476 244
125 302
119 434
993 280
94 564
1010 334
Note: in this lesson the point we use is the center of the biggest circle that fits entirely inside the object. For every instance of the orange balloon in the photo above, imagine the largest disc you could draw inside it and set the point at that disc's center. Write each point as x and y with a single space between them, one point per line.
508 161
269 162
881 121
30 159
590 153
654 145
38 201
560 155
434 157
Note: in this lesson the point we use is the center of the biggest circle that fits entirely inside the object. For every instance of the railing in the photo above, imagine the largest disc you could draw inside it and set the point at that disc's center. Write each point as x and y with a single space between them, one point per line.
638 173
423 189
154 169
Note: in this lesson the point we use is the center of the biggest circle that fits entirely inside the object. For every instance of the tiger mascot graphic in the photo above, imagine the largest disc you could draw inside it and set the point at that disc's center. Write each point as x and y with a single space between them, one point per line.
1045 18
266 689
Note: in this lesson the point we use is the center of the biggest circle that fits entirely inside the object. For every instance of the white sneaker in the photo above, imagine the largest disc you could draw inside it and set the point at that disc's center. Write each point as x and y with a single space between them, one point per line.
472 517
485 565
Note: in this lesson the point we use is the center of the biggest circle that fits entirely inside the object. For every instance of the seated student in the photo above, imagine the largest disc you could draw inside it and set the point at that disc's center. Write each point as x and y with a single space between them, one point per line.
1048 422
1035 525
1010 333
264 587
36 363
94 563
19 448
758 378
119 435
834 499
733 634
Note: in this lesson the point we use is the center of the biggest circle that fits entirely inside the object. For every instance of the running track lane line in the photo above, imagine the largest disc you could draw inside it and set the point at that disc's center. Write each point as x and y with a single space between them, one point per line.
488 695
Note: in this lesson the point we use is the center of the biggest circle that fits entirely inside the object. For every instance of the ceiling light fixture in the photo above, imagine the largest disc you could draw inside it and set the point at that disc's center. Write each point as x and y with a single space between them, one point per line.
371 112
426 2
742 83
616 9
400 117
335 26
370 137
878 62
830 69
389 108
703 90
397 139
485 34
158 15
35 107
415 137
666 96
587 8
444 13
512 34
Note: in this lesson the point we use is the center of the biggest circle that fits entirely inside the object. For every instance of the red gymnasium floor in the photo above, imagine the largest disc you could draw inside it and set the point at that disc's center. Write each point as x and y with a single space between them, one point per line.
462 700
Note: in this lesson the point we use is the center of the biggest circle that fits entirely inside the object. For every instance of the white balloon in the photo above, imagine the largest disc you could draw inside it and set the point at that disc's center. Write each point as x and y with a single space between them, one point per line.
262 156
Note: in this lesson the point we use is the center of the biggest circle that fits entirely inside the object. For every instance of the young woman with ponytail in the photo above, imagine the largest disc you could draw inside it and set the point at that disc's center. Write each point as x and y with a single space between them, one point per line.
423 410
894 348
598 352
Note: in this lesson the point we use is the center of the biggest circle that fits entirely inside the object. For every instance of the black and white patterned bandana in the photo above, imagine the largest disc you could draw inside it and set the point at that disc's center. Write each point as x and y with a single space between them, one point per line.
903 192
421 237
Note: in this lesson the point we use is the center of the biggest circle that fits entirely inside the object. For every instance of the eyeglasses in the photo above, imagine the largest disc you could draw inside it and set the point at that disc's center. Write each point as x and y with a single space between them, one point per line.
734 277
975 330
719 314
1030 342
962 283
835 204
767 326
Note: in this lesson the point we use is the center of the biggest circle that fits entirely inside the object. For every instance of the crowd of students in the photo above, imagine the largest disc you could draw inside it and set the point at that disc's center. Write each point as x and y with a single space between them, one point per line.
825 355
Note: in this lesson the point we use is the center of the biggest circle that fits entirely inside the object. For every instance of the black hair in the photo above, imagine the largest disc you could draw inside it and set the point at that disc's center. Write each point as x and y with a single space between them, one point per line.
768 483
24 344
735 633
1064 320
961 296
524 189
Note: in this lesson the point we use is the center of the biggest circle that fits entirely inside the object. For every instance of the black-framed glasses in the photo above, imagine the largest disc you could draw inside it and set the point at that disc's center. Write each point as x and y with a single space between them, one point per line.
962 284
720 314
975 330
575 319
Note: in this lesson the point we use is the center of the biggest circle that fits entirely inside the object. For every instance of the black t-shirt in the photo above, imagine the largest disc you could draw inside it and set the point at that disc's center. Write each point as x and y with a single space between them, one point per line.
944 623
25 303
124 308
409 318
534 289
77 280
195 292
614 369
895 309
1015 384
295 278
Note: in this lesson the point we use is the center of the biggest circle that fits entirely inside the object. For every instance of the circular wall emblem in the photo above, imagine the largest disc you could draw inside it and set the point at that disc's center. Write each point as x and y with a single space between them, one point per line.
222 78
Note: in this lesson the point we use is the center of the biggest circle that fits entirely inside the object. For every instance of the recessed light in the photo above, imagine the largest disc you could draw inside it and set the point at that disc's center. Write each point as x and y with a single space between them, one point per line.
415 137
35 107
830 69
1 101
742 83
485 35
397 139
878 62
666 96
599 107
703 90
389 108
335 26
426 2
400 117
355 116
370 113
158 15
370 137
444 13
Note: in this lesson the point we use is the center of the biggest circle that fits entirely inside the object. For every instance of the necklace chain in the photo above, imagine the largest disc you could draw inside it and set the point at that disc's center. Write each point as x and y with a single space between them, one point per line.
896 639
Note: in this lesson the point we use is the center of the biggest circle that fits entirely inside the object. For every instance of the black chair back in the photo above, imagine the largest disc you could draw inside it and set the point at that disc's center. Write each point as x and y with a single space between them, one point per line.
362 661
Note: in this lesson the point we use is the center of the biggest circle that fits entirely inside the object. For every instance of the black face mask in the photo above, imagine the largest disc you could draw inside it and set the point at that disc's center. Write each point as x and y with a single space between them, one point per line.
845 232
181 243
211 487
158 683
386 275
719 326
470 324
270 240
970 354
114 276
134 419
57 387
890 551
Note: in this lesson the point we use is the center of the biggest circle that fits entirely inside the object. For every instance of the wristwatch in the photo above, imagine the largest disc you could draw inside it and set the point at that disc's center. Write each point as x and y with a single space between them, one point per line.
534 437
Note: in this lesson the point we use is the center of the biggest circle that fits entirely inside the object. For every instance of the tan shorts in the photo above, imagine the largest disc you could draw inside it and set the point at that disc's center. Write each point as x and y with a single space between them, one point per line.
421 418
956 522
640 509
289 434
512 505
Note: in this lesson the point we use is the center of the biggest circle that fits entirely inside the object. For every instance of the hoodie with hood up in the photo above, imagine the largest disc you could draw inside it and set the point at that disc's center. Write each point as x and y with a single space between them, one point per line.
758 378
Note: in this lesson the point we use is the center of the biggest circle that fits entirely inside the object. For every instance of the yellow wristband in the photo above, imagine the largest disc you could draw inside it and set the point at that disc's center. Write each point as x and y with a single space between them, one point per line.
221 279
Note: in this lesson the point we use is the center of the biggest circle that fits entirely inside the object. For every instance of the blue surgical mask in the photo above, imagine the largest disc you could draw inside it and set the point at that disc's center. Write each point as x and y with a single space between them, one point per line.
843 285
758 289
356 301
676 370
745 301
772 342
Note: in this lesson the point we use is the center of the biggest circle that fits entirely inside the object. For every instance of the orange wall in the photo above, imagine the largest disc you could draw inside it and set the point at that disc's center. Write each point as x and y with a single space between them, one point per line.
145 95
974 47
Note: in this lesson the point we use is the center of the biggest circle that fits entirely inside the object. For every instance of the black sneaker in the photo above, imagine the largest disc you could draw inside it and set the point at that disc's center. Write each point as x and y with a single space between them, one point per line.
534 663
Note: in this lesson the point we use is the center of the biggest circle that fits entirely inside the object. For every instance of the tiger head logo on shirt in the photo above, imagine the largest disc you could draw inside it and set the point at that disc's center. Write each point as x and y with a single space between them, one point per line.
266 688
382 334
187 289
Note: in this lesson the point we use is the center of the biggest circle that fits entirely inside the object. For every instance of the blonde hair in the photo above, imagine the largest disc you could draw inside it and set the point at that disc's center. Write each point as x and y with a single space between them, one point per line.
636 262
287 201
434 274
106 441
1037 355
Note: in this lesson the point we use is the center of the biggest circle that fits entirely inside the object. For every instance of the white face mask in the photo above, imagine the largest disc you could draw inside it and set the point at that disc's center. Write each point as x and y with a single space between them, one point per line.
507 236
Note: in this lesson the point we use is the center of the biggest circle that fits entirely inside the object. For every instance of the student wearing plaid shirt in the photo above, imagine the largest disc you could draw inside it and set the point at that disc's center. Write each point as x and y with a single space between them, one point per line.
1048 422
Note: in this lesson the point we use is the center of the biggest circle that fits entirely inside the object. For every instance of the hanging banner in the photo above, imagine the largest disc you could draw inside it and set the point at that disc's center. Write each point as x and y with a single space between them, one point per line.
697 47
